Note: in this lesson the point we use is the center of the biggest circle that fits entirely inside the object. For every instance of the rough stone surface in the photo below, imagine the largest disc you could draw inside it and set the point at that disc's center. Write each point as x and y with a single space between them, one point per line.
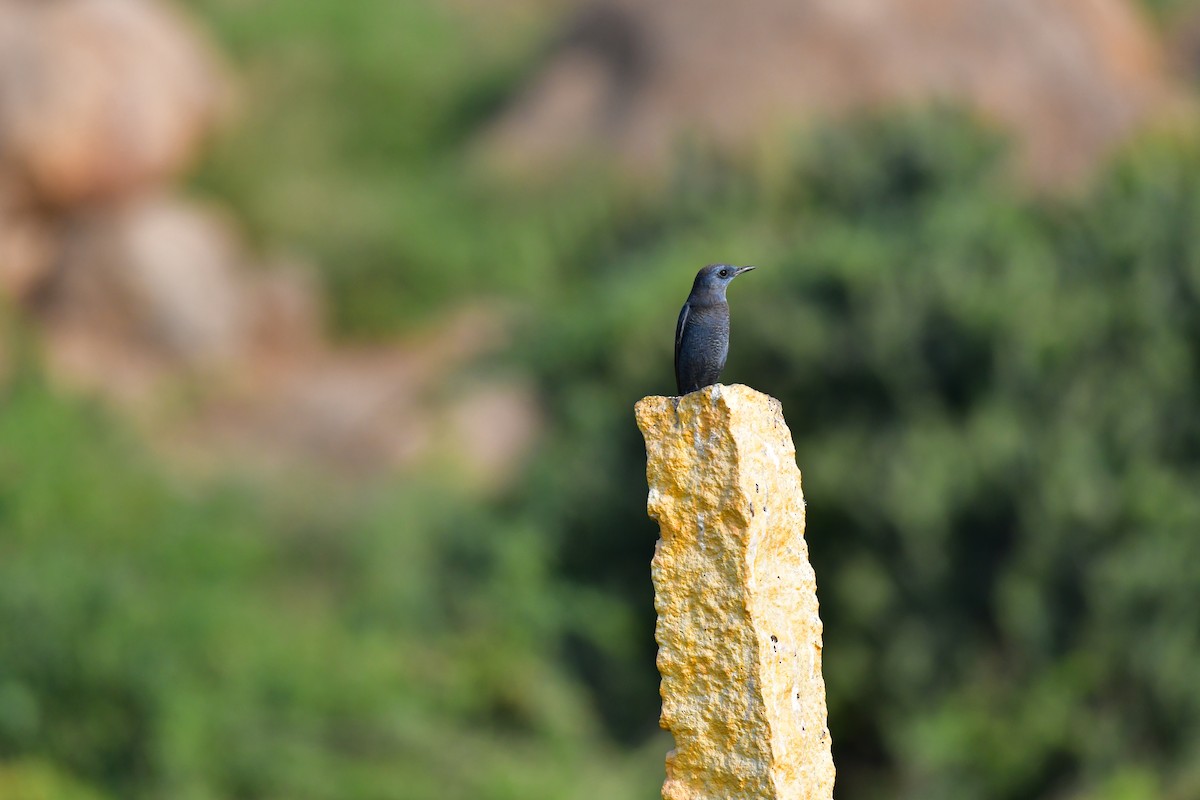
738 630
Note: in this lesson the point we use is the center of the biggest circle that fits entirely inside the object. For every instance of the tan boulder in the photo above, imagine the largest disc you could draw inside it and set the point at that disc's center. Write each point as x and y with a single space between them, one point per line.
100 97
160 274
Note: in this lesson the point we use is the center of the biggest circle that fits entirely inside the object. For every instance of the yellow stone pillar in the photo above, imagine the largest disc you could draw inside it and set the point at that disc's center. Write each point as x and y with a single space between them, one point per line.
739 636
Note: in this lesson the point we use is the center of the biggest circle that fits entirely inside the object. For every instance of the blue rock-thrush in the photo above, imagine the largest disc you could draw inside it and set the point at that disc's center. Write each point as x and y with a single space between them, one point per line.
702 333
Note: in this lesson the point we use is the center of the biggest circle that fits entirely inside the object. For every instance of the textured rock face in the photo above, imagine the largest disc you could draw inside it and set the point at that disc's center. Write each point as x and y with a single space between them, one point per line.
738 630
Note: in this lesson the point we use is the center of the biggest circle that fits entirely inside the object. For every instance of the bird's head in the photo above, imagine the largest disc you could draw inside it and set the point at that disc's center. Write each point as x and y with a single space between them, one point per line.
714 279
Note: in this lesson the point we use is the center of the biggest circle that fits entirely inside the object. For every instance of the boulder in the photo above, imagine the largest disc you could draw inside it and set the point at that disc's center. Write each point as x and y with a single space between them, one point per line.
159 274
1069 79
99 98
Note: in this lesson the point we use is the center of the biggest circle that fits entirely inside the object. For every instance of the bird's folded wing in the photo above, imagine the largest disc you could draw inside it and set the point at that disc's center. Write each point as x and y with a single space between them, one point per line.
683 315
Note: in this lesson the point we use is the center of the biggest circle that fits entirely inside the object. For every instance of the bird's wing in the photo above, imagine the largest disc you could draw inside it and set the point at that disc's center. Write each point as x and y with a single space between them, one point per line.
683 315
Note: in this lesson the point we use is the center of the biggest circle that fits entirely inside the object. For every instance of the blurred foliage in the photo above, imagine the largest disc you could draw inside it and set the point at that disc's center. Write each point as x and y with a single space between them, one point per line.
994 400
41 781
357 114
994 404
168 642
1169 10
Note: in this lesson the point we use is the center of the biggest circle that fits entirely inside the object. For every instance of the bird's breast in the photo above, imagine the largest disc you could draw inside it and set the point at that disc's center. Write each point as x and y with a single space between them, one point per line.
708 328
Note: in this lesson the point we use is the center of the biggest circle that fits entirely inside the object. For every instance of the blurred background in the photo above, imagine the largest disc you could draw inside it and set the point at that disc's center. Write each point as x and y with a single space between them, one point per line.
322 324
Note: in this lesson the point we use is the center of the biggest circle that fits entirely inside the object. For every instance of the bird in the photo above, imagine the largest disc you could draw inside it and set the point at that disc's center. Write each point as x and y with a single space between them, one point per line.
702 333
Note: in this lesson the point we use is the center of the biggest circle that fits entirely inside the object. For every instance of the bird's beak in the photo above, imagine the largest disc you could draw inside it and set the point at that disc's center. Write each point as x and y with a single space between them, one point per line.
740 270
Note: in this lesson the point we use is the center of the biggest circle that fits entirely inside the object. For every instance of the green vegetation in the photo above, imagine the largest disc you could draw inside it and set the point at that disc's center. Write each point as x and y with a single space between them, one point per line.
994 401
160 642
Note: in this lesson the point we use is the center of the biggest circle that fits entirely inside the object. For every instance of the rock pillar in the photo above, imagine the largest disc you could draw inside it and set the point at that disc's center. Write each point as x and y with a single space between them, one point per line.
738 632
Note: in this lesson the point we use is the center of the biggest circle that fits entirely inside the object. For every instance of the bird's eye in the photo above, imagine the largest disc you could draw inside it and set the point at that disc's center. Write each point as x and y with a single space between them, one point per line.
724 273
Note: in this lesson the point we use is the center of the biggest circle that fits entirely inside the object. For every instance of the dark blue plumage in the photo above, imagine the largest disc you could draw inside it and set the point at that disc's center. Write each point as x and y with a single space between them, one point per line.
702 333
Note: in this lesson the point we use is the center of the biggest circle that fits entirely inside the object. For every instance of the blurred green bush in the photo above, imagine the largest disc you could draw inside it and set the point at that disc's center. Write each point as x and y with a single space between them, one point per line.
994 405
161 641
